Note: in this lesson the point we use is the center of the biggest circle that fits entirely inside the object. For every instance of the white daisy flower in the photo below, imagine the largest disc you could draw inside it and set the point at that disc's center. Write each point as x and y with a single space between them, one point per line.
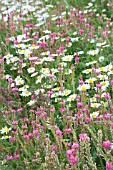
56 89
24 88
83 87
95 105
31 102
48 59
63 64
93 99
39 79
45 53
110 72
87 71
19 82
104 84
94 114
101 59
23 65
71 97
54 95
31 70
93 52
5 137
104 69
5 130
25 93
69 44
66 92
13 59
74 39
39 62
91 62
90 80
7 76
109 67
103 77
92 41
78 53
34 74
53 70
67 58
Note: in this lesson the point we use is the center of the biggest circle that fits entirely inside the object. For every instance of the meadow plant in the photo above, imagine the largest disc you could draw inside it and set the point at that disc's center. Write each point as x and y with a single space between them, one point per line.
56 85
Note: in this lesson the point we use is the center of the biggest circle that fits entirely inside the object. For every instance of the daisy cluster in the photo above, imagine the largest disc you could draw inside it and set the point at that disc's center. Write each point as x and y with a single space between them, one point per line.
57 65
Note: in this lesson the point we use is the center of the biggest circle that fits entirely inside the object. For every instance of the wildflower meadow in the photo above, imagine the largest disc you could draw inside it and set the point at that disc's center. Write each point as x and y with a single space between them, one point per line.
56 85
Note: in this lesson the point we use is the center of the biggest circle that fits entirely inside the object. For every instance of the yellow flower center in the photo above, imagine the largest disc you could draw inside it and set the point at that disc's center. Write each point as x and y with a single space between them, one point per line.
6 130
69 45
57 88
94 115
66 93
95 105
90 81
19 82
72 98
102 68
103 77
19 45
92 98
103 83
90 62
95 51
6 137
87 71
68 59
83 88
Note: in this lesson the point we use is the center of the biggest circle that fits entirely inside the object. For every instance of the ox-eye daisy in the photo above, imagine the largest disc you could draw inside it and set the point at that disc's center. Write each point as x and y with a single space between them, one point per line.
87 71
109 67
104 69
54 95
71 97
18 78
95 105
31 102
24 88
19 82
94 114
104 84
48 59
83 87
39 79
69 44
91 62
110 72
25 93
5 130
56 89
53 70
34 74
90 80
93 52
4 137
66 92
103 77
39 61
63 64
67 58
93 99
31 70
